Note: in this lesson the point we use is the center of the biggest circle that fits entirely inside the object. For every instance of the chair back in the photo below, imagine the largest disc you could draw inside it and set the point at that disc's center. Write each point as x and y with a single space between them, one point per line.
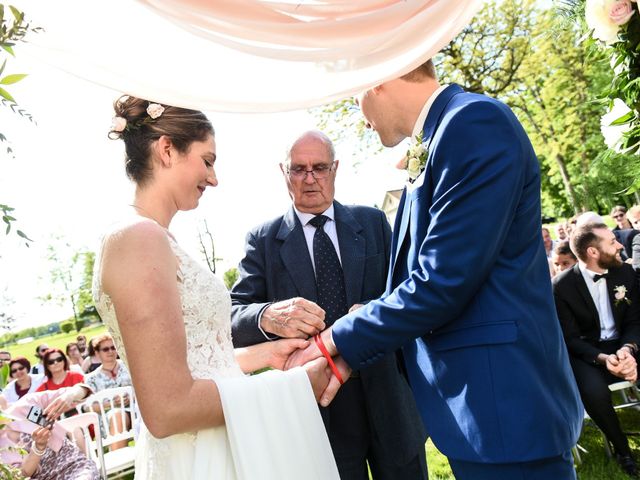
92 446
111 402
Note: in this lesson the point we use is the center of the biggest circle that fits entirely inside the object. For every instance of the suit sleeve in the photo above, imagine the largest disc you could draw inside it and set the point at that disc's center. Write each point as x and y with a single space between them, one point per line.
248 296
575 345
478 171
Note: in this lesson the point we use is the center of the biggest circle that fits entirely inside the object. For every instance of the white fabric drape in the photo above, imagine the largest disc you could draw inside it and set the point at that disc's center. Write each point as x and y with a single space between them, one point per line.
243 55
274 427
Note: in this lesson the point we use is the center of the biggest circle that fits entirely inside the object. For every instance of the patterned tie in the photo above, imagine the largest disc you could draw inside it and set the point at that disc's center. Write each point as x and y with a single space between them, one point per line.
332 296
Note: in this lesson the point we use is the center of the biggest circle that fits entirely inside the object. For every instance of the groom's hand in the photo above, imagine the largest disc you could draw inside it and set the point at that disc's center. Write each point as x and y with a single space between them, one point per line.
293 318
334 384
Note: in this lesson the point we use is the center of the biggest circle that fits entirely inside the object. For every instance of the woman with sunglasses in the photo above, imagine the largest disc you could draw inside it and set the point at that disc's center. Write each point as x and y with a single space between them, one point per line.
57 371
23 381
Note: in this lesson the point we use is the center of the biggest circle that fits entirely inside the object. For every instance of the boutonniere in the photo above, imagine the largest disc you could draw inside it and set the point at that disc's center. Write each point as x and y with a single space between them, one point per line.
415 159
621 295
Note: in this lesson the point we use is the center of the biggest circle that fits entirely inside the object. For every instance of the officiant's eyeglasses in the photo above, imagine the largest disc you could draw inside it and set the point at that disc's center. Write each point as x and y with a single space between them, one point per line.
318 171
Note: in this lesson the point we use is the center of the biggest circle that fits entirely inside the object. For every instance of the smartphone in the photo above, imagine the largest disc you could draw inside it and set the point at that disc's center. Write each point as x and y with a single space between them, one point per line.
35 415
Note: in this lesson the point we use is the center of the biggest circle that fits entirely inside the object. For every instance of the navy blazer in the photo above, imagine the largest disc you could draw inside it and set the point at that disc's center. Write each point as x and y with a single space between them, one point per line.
579 316
469 296
277 266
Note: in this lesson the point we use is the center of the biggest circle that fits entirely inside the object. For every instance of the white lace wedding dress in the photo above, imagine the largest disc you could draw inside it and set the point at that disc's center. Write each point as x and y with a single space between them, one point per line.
257 440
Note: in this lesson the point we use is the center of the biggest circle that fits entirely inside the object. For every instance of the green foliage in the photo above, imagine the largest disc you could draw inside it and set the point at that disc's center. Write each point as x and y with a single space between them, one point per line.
231 277
66 327
79 324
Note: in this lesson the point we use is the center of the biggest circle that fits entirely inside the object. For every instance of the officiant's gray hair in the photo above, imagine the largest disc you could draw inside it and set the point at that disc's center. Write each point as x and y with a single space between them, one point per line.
315 134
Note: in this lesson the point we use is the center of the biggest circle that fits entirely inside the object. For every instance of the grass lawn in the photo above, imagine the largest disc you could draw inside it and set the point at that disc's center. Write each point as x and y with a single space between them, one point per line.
59 340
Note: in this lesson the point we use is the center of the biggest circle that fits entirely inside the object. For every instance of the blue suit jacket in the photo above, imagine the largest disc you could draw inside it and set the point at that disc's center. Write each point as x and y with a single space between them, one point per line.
469 297
277 266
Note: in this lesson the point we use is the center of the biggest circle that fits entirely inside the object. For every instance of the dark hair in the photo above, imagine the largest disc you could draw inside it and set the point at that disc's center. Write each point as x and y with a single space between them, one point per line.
46 356
81 337
69 346
583 237
181 125
22 361
90 350
618 208
38 349
563 248
426 70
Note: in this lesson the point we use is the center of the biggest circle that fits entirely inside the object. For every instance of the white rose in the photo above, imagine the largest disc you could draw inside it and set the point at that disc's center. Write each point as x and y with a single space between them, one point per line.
620 12
597 15
619 295
613 133
155 110
118 124
414 165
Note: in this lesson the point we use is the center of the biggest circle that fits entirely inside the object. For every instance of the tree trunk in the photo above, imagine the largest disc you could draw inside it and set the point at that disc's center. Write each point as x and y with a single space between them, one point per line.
571 194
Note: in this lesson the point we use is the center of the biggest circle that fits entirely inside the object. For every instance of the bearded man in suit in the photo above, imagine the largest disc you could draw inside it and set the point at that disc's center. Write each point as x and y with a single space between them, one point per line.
310 266
598 305
469 302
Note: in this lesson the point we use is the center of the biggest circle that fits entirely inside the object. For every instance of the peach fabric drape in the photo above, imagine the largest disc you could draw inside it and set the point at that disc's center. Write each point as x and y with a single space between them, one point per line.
243 55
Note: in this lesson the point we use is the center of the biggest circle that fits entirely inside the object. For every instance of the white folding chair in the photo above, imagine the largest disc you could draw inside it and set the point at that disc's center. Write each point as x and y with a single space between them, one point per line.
115 402
92 447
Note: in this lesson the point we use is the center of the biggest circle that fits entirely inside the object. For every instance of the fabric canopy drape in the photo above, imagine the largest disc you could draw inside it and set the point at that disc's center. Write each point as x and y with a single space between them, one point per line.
242 55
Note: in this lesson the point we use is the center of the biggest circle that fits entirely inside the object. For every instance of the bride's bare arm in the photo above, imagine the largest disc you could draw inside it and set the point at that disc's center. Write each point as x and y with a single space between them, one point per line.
268 354
139 272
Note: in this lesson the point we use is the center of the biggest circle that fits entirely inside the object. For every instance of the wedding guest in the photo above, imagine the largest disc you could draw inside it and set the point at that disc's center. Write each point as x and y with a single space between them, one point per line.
547 241
92 360
373 419
633 215
81 341
45 453
562 257
39 369
598 305
23 381
57 371
619 215
111 374
5 357
74 356
561 232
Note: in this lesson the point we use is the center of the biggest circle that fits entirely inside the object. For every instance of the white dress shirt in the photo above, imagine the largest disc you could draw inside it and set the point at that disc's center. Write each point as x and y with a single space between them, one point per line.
600 296
417 128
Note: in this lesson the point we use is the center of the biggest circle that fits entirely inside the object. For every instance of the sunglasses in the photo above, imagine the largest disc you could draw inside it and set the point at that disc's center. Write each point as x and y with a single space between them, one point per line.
618 216
51 361
17 369
108 349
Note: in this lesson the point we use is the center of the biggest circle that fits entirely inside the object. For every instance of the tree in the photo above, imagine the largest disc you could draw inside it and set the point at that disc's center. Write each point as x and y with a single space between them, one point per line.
7 317
208 248
231 277
72 272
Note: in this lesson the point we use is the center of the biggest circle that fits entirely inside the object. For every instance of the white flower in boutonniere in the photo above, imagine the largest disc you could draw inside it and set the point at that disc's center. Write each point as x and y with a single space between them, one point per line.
415 159
621 295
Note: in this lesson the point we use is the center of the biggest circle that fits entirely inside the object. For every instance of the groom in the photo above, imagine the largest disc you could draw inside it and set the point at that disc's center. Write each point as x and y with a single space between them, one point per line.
468 297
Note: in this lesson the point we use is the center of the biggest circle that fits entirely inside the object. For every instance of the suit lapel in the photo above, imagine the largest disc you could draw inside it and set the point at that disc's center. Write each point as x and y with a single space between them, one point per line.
581 286
617 308
352 252
295 256
430 124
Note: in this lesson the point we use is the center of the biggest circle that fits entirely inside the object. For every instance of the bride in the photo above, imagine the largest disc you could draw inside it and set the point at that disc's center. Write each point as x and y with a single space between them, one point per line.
170 319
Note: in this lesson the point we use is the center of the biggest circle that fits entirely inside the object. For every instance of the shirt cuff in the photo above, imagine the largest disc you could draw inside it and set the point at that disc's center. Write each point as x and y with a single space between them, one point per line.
268 336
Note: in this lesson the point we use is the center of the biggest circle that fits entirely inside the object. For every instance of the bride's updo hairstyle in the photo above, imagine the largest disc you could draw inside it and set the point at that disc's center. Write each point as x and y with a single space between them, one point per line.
139 123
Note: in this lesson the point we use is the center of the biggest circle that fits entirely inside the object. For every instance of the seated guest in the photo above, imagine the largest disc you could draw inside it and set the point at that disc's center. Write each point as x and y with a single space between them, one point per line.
38 369
546 240
74 356
111 374
23 381
633 214
561 232
598 306
5 357
91 361
57 371
81 341
619 215
45 453
562 258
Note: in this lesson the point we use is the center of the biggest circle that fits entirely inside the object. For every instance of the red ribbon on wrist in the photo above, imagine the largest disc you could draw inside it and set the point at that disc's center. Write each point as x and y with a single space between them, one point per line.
325 352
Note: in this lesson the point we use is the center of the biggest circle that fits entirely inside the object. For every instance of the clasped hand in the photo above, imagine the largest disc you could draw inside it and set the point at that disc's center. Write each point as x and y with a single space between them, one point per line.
623 365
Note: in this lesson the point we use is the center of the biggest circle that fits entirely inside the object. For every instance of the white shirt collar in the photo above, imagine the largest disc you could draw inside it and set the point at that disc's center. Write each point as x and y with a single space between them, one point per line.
417 128
306 217
590 273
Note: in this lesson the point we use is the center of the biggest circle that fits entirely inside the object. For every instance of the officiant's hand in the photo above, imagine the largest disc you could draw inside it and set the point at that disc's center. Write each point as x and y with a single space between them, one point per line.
293 318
